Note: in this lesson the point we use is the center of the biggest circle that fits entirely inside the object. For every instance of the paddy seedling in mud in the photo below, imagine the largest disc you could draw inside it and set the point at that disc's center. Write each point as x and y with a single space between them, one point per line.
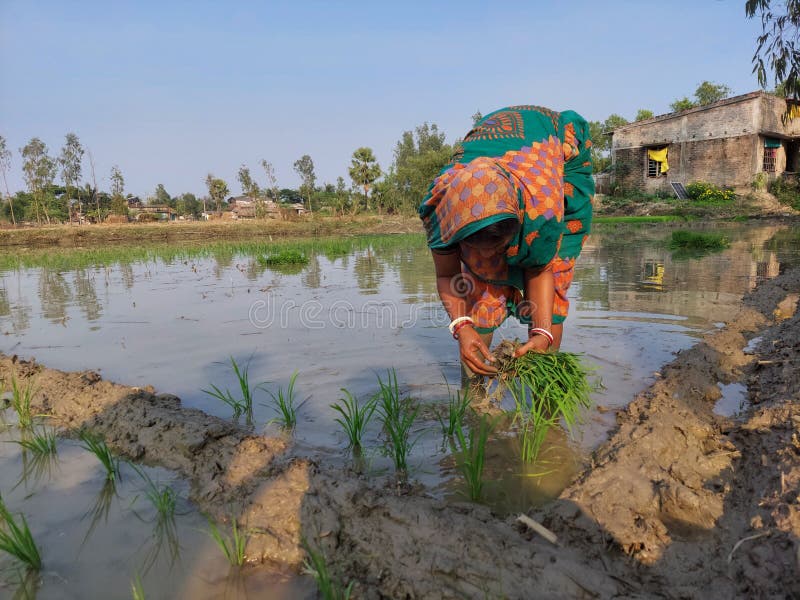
284 402
316 565
21 398
457 406
97 446
137 589
354 418
16 539
162 498
232 545
471 454
287 256
397 416
693 240
244 404
39 443
546 387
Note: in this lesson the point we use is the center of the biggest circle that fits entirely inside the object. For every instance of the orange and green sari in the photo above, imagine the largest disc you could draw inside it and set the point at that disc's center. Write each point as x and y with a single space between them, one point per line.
523 162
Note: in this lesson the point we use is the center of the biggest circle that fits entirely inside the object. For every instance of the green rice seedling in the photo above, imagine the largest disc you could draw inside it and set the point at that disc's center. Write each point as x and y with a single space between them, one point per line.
546 387
233 545
165 531
354 418
101 508
21 398
471 455
39 443
162 498
457 406
286 256
316 565
397 416
97 446
241 406
16 539
137 589
284 402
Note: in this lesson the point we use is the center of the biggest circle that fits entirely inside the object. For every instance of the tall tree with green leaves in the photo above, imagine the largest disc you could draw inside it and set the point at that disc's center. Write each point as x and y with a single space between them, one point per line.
599 132
778 48
217 190
5 166
119 206
162 196
364 170
304 167
272 180
71 161
250 189
419 156
643 114
39 170
476 117
708 92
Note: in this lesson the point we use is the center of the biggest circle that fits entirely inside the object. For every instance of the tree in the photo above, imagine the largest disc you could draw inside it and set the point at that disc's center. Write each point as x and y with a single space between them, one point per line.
162 197
364 170
249 187
643 114
778 45
5 165
341 198
304 167
476 117
709 92
39 170
601 140
119 206
682 104
70 160
272 180
217 190
419 156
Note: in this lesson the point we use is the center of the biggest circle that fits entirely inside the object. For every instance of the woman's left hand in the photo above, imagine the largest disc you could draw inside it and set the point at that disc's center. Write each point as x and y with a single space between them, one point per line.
537 343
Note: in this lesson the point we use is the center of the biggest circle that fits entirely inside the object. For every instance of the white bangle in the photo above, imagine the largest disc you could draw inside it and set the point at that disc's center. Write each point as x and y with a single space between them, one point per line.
458 320
539 331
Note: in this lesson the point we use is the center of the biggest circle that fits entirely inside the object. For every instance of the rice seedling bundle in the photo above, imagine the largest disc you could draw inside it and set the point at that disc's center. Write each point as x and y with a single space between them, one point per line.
397 416
16 539
354 418
546 388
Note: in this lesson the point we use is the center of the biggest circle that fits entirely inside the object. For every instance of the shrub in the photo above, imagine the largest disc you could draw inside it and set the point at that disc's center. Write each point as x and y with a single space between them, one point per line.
708 193
759 182
787 191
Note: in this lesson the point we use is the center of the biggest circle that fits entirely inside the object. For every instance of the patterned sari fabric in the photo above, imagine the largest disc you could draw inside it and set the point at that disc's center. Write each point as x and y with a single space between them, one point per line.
527 163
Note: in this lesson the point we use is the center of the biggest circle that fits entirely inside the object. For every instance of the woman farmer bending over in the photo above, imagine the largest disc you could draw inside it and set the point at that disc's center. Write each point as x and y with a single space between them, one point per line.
505 222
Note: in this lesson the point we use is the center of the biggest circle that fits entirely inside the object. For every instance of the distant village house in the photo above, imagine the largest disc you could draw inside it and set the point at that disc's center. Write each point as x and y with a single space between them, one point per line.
727 143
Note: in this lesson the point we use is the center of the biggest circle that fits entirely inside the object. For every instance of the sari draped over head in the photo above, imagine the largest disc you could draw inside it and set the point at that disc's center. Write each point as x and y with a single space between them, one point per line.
522 162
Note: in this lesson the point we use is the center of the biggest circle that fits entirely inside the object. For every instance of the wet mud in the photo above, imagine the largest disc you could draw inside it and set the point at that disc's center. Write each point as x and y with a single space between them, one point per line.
681 502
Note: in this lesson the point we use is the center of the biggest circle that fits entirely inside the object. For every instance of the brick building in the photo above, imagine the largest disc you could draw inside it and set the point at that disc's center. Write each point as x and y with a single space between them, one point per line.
727 143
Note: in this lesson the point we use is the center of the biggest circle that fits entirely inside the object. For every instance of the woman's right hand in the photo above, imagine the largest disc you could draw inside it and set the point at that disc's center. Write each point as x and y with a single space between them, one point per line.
474 352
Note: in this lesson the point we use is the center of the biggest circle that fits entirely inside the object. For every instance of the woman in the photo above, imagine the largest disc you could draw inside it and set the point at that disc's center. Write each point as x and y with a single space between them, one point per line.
505 222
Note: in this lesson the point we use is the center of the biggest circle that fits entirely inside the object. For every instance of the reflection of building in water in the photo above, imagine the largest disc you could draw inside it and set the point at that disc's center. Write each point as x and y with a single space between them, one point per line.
653 274
636 272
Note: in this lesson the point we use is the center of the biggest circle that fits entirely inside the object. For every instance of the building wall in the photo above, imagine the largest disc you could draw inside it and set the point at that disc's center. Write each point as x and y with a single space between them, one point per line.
722 143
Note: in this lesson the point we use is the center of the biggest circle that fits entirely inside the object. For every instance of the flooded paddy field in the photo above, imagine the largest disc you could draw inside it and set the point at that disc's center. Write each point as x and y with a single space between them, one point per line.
347 313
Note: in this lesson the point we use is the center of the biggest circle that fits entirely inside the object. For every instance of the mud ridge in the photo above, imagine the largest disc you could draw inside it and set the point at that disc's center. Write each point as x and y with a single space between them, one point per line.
660 512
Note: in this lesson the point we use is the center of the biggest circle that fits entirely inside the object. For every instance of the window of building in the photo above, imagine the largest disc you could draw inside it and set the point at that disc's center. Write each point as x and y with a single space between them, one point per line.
657 161
769 159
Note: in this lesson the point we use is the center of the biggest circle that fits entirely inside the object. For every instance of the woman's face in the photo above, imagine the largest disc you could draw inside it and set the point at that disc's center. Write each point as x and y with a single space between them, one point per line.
490 250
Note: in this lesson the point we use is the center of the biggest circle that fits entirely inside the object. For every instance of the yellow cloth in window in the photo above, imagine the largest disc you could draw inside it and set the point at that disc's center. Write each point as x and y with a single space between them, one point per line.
659 156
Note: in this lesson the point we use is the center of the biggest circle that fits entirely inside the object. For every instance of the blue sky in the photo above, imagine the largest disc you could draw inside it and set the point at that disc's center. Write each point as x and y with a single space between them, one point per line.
170 91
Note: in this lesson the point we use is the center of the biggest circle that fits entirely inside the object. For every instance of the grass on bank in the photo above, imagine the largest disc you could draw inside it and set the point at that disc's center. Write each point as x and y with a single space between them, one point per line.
16 539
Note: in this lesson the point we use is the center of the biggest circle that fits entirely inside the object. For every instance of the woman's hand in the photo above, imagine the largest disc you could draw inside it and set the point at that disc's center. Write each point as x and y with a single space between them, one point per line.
474 352
537 343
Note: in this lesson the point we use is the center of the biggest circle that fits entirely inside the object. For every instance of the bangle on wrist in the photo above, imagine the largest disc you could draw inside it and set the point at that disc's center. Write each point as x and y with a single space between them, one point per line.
532 331
460 326
458 320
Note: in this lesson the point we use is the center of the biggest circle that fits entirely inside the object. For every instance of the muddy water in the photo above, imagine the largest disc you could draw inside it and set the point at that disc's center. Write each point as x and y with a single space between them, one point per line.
341 321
